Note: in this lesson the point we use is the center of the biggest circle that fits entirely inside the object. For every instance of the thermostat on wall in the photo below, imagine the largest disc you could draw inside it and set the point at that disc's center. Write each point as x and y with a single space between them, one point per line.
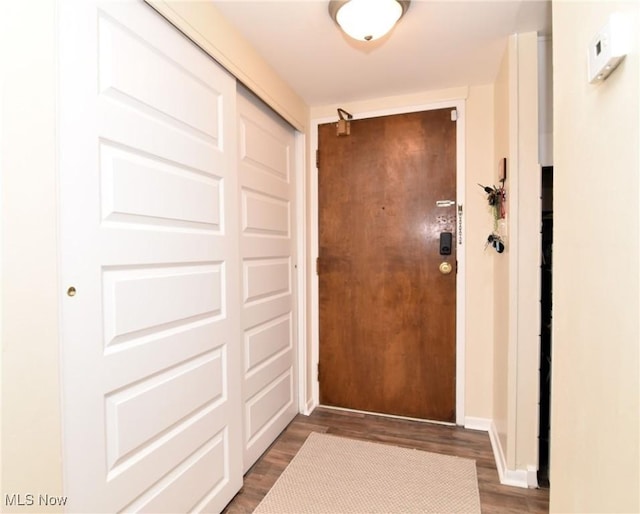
608 47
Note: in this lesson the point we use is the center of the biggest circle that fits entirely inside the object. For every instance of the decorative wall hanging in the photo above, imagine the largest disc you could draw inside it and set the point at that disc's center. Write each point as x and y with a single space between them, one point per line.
496 198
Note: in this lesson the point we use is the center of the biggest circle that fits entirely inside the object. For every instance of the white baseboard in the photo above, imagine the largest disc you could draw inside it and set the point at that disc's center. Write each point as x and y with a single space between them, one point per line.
472 423
519 477
309 407
532 477
515 477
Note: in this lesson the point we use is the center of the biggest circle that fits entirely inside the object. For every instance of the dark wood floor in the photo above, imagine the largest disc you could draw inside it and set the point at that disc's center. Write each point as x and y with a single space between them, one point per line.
448 440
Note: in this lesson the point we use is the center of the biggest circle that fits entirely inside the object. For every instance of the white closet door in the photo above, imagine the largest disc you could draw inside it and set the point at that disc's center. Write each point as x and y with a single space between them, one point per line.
151 354
267 248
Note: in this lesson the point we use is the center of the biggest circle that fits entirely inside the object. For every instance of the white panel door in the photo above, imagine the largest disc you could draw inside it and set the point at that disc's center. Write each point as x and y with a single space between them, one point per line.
267 248
151 353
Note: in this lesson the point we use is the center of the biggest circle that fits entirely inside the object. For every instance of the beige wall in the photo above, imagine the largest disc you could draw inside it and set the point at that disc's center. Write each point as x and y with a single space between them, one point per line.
479 282
500 263
595 429
31 437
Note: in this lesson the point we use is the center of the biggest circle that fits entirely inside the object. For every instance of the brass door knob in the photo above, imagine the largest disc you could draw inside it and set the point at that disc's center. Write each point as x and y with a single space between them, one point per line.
445 268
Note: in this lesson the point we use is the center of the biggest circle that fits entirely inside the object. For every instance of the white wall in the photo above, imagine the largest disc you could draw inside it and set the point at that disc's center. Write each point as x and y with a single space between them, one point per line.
595 425
31 432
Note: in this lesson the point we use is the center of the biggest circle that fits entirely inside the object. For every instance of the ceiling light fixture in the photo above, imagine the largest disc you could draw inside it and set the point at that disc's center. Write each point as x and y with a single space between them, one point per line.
367 20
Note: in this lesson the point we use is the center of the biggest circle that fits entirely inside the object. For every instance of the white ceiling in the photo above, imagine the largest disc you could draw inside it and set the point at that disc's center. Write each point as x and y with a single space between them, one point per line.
437 44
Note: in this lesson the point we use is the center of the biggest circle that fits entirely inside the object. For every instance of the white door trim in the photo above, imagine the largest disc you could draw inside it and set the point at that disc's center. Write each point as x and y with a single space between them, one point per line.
314 320
300 266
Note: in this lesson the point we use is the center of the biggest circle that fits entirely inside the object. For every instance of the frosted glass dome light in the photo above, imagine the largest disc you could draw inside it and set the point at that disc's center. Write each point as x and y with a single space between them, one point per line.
367 20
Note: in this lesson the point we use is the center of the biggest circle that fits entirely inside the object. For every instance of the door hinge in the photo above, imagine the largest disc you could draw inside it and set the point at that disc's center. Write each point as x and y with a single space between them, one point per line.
318 372
454 115
317 265
456 266
318 159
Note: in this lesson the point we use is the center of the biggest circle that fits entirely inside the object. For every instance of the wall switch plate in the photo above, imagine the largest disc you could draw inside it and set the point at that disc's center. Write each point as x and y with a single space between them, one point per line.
608 47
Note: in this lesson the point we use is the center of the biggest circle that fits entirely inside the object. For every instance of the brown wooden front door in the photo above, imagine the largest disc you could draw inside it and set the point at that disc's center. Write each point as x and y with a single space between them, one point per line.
387 313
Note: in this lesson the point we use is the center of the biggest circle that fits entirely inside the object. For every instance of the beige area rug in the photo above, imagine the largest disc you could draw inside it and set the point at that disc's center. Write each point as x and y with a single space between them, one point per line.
337 475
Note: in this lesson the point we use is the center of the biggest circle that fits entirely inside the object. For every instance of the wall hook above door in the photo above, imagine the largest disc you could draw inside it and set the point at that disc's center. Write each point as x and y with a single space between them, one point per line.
343 127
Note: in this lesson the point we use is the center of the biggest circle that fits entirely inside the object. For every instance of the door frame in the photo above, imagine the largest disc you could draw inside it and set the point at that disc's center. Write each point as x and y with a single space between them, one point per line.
314 321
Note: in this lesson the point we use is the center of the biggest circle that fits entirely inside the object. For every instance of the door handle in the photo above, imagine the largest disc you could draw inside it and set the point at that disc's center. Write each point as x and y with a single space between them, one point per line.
445 268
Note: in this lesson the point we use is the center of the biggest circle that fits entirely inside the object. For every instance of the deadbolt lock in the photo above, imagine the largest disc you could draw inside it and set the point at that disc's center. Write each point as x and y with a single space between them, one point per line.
71 291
